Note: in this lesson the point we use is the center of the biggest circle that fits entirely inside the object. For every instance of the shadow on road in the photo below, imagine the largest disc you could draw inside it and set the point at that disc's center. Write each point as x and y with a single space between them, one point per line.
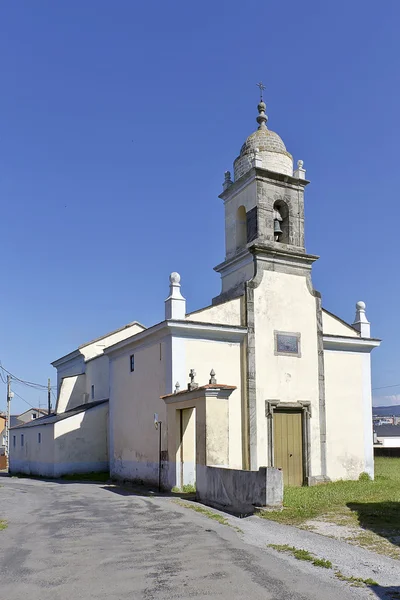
382 518
386 593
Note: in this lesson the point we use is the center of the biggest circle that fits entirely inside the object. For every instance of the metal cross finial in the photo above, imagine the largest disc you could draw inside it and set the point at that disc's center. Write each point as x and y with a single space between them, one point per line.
262 88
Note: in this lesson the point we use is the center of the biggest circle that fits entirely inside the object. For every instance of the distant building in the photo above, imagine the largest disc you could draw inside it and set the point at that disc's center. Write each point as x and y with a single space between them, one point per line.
387 436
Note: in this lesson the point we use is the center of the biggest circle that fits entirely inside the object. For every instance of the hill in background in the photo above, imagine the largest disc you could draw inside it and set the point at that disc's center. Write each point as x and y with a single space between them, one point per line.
386 411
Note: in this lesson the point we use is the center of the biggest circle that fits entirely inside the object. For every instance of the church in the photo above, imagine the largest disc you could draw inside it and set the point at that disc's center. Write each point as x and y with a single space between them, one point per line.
262 377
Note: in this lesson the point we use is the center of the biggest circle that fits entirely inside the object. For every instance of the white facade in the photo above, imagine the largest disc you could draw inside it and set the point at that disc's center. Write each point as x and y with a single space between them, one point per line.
286 362
73 442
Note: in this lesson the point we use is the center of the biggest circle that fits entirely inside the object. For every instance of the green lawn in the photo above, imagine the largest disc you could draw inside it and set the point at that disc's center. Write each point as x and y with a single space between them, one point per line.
370 507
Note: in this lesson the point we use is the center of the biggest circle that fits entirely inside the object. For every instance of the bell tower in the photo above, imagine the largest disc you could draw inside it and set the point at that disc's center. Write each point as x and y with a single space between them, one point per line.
264 211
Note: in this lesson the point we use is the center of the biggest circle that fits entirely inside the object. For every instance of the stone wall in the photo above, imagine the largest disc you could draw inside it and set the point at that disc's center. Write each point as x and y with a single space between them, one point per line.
239 491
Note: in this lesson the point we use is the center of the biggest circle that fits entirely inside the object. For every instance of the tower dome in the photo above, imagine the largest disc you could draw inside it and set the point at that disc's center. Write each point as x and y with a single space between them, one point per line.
268 147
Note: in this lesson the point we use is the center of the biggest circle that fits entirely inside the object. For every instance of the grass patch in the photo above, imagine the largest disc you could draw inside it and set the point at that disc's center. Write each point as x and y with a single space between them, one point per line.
370 510
97 477
187 489
204 511
302 554
375 501
355 581
3 524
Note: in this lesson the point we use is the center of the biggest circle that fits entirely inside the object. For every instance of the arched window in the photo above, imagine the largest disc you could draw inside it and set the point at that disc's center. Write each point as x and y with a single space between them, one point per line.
241 228
281 222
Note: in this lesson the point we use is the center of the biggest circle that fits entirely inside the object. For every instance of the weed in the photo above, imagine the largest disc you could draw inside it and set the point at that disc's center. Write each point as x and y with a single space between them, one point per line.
301 554
3 525
204 511
355 581
189 489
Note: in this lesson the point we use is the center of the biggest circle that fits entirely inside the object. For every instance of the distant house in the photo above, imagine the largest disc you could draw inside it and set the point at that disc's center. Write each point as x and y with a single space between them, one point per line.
386 436
27 416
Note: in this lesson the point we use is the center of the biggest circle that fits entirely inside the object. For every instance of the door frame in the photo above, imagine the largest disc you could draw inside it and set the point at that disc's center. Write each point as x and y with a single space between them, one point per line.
305 409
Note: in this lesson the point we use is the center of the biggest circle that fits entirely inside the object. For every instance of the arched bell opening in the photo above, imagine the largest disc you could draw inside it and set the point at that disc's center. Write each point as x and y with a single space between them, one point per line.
241 228
281 222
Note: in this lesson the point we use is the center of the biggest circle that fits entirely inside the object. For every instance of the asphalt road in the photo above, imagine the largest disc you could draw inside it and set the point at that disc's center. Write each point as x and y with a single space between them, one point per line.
77 540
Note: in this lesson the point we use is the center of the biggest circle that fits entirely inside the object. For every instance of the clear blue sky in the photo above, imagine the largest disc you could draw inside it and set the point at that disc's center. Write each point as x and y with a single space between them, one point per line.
118 120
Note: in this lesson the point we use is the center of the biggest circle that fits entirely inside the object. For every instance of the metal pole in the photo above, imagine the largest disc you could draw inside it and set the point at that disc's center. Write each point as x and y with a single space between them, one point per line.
48 396
159 459
8 419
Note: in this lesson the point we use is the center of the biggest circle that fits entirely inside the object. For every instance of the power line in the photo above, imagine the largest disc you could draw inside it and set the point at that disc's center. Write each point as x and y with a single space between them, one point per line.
26 401
27 383
385 387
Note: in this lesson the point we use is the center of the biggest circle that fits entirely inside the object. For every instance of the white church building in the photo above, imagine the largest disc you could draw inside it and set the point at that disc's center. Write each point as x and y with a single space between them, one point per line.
271 372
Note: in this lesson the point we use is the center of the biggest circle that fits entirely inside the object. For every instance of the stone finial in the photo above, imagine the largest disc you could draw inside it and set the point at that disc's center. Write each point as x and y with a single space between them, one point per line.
361 322
262 117
300 173
212 379
256 160
227 181
175 304
192 385
177 387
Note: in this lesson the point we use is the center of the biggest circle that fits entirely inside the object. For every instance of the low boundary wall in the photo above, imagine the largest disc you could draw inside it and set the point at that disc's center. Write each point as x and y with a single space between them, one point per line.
239 491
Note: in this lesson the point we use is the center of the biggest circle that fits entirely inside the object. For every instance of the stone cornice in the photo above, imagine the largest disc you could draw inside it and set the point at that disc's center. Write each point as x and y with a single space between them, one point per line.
342 343
256 173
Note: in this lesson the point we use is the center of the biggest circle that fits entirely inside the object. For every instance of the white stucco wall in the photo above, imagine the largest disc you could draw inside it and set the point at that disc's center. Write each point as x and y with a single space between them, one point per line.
333 326
33 458
97 374
71 393
228 313
225 359
81 442
95 348
73 367
134 398
283 303
345 412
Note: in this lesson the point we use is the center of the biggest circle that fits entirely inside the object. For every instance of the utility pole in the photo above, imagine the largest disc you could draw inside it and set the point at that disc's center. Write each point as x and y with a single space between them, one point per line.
49 395
9 396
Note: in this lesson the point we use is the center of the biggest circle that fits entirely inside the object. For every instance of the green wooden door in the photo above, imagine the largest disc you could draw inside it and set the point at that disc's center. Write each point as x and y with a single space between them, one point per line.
288 446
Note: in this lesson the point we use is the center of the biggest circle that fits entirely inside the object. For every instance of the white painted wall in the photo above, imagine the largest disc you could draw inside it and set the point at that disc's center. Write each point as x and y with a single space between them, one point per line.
71 393
81 442
33 458
228 313
389 442
333 326
344 412
225 359
97 374
134 398
96 348
284 303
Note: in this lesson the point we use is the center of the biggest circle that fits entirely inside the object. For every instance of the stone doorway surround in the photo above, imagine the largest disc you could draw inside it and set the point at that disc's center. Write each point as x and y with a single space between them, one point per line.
211 404
305 408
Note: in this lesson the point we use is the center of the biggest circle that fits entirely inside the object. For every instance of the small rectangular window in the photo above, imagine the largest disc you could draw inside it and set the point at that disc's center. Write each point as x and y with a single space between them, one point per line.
132 362
39 438
14 441
92 392
22 439
34 415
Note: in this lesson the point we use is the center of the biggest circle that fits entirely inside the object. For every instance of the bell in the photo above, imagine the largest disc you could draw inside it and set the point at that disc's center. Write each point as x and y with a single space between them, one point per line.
277 227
